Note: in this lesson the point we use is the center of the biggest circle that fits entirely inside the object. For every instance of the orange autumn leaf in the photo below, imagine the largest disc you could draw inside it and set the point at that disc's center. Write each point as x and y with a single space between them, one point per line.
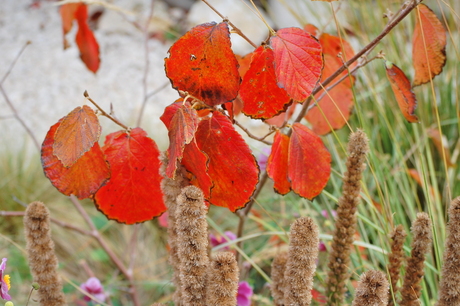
76 134
313 30
86 41
182 122
334 109
83 178
309 162
402 89
277 164
133 193
298 61
231 166
428 45
262 98
202 64
440 142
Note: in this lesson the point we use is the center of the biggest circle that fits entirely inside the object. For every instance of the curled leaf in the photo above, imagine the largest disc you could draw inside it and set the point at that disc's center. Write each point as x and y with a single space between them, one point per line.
76 134
182 122
202 64
133 193
401 87
428 45
83 178
86 41
298 61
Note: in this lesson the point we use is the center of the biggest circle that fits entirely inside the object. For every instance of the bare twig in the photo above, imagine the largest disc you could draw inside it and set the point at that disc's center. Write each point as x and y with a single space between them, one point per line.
146 62
261 139
8 101
116 260
234 28
104 113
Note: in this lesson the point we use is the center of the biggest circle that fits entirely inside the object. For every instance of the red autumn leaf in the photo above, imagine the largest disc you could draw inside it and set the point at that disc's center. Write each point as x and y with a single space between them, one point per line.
262 98
231 166
67 12
333 46
182 122
298 61
309 162
333 110
202 64
196 163
234 108
277 165
401 87
86 42
428 45
76 134
83 178
133 193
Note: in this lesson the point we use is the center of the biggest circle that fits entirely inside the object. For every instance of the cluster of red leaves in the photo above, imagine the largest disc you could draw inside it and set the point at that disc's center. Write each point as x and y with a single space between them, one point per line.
121 177
203 68
85 39
428 58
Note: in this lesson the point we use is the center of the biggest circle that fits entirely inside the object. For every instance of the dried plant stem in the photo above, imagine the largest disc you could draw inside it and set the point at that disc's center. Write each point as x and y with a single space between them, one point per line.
222 280
171 190
104 113
345 224
192 241
396 259
449 293
372 289
301 262
115 259
421 245
278 282
43 262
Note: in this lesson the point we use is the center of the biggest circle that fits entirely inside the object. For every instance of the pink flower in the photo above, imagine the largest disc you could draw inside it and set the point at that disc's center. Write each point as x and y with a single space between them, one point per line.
4 281
243 298
93 286
322 247
215 241
163 220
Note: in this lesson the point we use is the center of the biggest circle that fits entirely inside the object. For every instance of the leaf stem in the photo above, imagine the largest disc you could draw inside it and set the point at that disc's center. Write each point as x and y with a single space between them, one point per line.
261 139
103 112
234 28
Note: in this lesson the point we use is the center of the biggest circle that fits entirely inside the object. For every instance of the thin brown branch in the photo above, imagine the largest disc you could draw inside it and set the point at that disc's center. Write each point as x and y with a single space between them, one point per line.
234 28
399 16
116 260
14 62
146 62
104 113
252 135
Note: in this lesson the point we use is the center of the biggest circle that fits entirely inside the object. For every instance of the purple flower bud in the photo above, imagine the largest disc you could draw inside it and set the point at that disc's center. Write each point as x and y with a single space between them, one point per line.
4 281
218 240
244 295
